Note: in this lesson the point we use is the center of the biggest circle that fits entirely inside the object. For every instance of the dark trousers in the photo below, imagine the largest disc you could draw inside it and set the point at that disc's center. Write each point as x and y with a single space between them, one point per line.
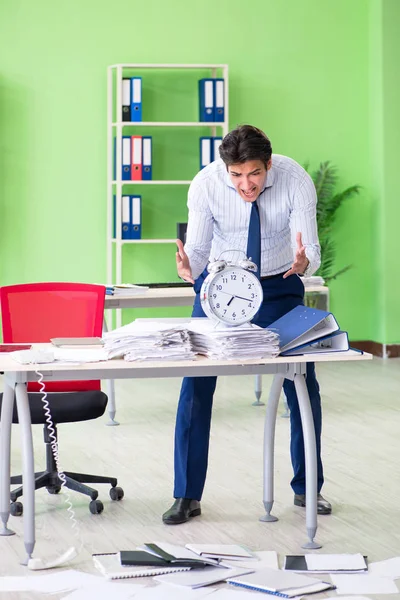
192 430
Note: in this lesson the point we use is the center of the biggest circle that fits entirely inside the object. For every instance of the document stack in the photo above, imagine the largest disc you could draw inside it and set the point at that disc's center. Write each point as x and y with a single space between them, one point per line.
313 280
220 341
149 340
125 289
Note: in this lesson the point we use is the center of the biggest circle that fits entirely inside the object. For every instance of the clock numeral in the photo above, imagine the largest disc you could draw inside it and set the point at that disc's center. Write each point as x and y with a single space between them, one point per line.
250 305
233 277
233 315
224 280
219 287
217 305
225 311
242 279
243 311
252 295
249 286
214 295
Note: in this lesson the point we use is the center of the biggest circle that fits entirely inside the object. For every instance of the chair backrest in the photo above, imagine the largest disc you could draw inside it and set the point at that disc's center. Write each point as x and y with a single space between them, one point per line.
36 312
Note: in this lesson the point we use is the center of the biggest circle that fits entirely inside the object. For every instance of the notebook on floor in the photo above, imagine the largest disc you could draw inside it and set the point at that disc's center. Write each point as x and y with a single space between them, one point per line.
281 583
110 566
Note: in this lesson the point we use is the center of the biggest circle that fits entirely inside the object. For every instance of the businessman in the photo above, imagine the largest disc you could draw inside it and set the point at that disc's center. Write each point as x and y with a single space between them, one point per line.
262 204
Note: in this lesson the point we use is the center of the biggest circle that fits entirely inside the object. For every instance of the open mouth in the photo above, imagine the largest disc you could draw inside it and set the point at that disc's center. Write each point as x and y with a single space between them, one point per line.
250 193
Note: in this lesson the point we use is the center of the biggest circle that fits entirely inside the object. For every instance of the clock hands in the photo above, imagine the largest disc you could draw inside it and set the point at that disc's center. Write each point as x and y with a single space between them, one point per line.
247 299
235 296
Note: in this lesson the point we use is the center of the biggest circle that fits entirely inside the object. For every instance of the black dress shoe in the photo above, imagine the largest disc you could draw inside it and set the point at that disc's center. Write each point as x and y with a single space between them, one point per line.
181 511
323 506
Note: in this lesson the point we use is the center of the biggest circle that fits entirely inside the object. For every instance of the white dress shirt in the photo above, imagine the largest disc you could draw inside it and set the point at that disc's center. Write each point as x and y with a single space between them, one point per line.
219 218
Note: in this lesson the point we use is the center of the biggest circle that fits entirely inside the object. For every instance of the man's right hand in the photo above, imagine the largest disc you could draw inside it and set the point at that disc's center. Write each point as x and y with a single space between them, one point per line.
183 264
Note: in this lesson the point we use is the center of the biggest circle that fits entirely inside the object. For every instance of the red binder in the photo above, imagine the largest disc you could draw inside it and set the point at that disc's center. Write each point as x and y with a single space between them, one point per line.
136 157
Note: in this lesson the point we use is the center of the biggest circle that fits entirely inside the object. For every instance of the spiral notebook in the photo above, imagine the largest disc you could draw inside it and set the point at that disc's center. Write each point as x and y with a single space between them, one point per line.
110 566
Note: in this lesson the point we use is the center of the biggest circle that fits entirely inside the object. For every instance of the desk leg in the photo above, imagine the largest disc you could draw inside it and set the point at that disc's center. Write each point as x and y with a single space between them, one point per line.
258 390
5 456
310 450
269 442
111 402
110 391
28 468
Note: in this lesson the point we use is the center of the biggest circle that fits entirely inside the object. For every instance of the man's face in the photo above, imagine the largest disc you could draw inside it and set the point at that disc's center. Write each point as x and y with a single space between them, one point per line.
249 178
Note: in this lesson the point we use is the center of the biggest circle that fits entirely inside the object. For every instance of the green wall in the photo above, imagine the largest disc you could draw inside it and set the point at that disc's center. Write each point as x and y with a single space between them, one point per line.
302 71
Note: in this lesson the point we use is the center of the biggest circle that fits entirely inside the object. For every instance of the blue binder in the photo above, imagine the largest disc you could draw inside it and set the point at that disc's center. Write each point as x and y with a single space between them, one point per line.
136 99
147 157
125 217
303 325
219 100
338 341
126 158
205 151
216 142
206 100
136 218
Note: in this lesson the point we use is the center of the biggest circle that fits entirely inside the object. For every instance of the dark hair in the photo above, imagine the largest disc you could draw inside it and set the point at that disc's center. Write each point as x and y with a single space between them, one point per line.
245 143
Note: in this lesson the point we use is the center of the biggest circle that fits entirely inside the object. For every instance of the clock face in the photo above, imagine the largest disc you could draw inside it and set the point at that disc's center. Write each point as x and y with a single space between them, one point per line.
232 295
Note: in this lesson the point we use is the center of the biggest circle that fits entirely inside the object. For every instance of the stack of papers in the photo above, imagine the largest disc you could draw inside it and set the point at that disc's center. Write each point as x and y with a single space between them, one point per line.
125 289
314 280
223 342
149 340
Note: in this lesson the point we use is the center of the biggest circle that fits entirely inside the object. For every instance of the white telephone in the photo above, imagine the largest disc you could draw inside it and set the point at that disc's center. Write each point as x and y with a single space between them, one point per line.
35 356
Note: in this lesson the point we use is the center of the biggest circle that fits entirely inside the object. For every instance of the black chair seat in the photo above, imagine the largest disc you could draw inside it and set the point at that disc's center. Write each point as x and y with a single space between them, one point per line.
65 407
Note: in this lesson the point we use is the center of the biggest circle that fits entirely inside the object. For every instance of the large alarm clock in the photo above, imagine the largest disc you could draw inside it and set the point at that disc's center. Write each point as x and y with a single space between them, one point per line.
231 293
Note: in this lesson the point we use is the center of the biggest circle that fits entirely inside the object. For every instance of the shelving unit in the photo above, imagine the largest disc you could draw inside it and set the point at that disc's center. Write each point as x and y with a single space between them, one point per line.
115 128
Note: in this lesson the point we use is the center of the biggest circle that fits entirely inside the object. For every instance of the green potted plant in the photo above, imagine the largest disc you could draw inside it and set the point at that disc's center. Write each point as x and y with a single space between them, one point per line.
329 201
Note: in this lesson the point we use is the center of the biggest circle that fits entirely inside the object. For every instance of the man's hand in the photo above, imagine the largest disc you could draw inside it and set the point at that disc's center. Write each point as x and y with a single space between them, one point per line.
183 264
301 261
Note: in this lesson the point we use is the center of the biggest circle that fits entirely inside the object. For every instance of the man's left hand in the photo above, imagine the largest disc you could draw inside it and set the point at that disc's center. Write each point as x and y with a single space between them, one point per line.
301 261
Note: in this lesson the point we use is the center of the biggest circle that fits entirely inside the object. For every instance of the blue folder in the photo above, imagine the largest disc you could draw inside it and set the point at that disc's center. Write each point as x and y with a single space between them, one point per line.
206 100
126 211
136 218
303 325
136 99
219 100
147 157
338 341
206 149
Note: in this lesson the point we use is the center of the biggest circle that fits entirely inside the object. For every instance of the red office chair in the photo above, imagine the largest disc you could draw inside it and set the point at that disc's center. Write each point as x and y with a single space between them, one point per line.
36 312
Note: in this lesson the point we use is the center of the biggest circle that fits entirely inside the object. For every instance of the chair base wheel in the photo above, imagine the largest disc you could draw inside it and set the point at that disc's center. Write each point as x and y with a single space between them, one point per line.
116 493
16 509
96 507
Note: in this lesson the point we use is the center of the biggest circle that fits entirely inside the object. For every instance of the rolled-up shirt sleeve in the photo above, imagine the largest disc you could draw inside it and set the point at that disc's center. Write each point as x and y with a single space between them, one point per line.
303 219
200 229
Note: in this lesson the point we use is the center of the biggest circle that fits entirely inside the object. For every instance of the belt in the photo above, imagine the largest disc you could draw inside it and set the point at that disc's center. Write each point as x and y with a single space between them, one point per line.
272 276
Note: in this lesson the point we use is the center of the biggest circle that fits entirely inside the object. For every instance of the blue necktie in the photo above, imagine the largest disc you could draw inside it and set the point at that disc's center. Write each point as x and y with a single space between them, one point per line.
254 239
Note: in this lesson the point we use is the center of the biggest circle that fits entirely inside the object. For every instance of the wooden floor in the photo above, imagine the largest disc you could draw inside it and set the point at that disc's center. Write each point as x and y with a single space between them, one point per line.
361 454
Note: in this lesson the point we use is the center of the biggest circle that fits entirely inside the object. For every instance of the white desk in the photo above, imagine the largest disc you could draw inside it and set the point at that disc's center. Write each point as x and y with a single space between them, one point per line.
180 296
16 376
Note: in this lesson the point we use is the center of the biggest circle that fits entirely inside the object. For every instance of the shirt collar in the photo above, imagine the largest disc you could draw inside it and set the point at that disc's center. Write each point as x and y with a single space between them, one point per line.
268 183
